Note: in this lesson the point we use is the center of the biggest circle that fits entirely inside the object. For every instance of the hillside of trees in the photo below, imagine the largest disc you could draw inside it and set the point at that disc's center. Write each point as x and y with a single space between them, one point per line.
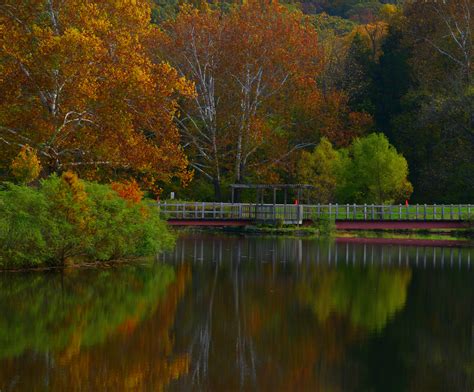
193 96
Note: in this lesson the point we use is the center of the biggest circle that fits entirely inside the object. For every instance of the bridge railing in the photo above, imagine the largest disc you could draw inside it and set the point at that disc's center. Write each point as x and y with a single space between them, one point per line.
390 212
289 213
241 211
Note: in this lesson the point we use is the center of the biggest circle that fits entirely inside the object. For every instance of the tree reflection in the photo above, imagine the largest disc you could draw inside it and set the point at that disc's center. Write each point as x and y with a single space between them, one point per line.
272 314
368 297
257 315
96 331
258 326
432 342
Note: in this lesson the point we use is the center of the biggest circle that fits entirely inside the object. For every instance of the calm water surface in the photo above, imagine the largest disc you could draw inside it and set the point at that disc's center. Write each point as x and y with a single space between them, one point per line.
245 313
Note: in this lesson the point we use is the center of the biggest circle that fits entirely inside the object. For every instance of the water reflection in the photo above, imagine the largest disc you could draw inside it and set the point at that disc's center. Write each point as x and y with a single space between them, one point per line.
295 314
368 297
237 313
90 329
422 253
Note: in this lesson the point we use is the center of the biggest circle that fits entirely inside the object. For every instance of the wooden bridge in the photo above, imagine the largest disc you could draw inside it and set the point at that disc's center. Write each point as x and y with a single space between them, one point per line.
345 216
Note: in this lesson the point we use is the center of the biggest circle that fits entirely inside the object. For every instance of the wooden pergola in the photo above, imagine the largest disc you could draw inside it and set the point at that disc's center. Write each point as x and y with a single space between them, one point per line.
300 190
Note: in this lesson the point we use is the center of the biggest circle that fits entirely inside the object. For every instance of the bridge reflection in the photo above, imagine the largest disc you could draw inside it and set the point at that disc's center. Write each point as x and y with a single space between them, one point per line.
202 248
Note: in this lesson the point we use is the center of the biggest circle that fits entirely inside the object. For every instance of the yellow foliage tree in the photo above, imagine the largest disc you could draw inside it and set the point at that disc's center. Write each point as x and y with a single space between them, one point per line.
26 166
80 84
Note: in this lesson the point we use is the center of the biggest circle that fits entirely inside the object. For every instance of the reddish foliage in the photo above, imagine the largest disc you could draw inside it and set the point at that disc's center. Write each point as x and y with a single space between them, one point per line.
128 190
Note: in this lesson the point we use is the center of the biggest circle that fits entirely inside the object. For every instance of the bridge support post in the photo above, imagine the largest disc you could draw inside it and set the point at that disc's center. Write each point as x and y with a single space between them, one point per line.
274 205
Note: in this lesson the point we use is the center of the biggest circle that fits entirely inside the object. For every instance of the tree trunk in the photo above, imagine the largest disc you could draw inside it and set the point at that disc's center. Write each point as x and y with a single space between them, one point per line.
217 189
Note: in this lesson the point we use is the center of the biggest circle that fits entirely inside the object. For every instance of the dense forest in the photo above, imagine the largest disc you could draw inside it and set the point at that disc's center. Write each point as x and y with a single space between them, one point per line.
366 100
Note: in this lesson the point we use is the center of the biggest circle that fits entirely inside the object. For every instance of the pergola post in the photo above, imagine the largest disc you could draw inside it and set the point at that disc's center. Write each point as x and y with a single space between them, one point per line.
301 191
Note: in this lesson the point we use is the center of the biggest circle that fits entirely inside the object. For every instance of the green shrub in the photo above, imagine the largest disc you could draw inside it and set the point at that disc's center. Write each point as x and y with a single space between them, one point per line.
68 219
24 224
325 225
279 223
122 228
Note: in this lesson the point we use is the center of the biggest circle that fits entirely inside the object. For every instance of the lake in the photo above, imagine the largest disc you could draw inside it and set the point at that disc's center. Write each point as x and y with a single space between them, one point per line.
229 313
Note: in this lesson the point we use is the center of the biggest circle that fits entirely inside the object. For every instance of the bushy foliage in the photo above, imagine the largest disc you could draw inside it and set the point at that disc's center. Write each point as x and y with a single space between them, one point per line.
369 171
321 169
67 219
377 173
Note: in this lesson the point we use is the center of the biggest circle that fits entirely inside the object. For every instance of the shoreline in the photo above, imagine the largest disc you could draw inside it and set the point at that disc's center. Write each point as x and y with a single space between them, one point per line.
463 236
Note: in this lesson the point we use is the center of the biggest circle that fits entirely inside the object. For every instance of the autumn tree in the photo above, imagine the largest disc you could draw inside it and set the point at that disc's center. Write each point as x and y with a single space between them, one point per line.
78 84
443 29
254 68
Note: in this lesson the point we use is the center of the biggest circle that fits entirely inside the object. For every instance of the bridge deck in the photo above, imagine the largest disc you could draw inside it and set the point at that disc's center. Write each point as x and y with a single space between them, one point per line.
340 225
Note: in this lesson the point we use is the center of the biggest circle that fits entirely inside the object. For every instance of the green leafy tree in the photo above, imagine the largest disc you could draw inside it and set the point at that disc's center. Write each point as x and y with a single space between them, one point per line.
358 75
377 173
321 168
392 79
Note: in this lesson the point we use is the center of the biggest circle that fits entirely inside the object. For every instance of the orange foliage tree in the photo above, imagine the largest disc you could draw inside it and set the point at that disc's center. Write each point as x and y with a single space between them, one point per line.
255 69
79 84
